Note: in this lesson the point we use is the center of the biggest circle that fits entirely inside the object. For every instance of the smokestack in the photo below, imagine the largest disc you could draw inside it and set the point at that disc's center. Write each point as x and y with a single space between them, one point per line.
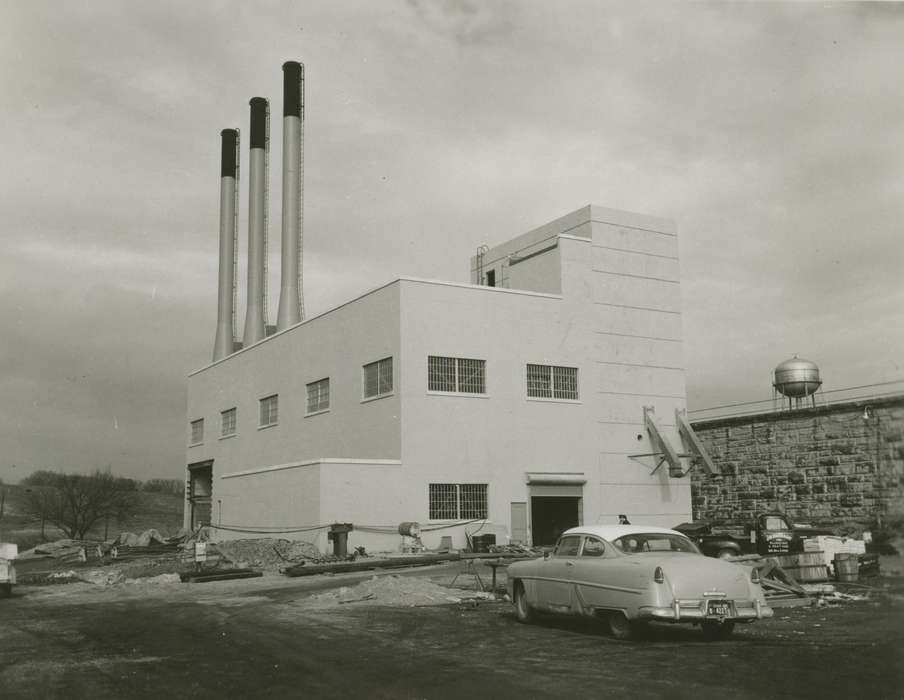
291 305
229 175
256 310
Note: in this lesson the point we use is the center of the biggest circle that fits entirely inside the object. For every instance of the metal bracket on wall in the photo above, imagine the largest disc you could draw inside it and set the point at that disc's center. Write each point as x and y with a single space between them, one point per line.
660 461
691 440
694 449
664 449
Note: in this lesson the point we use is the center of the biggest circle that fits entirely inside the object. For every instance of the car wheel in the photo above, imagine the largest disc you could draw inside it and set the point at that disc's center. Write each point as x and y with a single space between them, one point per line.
726 553
715 631
523 611
620 626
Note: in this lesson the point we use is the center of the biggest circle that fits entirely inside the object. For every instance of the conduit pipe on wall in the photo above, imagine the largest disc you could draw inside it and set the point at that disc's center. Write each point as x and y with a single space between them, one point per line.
291 304
229 176
256 308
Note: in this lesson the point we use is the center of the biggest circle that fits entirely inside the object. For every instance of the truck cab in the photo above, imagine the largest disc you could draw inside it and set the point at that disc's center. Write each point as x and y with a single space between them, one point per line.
773 534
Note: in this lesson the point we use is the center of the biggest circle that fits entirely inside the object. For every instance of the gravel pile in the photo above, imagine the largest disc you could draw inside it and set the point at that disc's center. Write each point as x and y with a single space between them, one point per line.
394 591
267 552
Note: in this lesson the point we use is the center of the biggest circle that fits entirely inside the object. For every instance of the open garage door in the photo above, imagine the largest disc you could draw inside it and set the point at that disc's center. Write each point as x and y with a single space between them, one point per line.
554 507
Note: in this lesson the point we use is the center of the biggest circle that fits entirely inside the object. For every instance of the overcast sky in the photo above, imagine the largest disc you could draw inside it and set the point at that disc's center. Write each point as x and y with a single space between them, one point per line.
771 133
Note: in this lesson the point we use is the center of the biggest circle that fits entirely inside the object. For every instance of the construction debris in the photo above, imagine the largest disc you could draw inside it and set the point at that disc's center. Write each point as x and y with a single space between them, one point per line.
267 552
396 591
61 550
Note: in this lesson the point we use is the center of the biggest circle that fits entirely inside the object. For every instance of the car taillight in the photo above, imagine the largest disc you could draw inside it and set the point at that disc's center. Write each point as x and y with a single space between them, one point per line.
658 576
755 575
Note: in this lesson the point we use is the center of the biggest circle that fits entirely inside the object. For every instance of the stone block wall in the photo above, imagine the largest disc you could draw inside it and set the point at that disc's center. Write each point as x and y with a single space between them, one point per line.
826 466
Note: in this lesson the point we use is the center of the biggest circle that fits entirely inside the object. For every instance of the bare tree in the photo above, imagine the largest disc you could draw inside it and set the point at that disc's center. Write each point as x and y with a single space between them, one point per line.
75 503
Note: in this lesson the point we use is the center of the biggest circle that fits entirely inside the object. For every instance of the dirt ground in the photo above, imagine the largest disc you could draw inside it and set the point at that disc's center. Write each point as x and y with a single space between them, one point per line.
323 637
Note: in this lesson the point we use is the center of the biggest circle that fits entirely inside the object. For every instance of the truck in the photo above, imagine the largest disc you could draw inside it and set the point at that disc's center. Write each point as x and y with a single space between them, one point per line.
8 554
769 534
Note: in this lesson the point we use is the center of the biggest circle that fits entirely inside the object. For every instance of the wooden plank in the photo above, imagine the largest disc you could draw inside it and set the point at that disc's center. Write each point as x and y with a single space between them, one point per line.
790 602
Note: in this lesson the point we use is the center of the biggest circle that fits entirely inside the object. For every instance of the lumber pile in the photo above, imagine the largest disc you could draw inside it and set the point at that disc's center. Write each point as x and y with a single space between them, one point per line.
779 586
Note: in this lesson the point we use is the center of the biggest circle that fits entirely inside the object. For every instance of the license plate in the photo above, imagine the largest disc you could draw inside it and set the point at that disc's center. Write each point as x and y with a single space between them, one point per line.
719 608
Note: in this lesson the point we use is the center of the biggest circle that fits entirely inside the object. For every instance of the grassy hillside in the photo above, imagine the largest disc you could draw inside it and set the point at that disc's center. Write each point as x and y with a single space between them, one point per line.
162 512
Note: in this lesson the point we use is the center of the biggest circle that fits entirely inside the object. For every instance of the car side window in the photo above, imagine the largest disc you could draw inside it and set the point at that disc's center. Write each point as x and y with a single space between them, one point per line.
593 547
568 546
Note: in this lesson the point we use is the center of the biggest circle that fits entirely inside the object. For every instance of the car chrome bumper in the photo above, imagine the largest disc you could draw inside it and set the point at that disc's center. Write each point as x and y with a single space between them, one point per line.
694 610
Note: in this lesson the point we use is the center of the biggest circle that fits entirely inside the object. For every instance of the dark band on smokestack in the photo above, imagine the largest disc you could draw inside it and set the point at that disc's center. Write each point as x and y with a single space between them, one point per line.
258 122
229 164
292 75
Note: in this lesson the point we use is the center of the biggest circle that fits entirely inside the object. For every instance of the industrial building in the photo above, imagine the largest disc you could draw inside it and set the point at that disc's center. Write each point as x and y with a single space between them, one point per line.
547 392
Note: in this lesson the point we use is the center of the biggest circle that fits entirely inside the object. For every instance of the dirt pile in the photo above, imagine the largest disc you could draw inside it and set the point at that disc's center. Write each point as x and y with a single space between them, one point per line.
394 591
267 553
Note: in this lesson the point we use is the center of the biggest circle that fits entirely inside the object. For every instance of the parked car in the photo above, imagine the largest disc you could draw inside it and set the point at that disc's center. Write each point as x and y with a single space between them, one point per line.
629 575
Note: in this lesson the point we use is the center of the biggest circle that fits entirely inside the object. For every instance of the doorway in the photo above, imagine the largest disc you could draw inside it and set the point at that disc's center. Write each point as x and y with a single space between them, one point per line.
200 491
552 515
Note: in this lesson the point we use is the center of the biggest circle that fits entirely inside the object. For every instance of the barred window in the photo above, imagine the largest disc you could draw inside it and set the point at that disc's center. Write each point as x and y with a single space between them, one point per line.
318 395
458 501
456 374
197 431
378 378
443 501
269 410
549 382
227 422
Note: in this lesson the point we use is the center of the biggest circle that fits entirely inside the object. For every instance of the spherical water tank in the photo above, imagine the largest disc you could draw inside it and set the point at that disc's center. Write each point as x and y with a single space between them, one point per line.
796 377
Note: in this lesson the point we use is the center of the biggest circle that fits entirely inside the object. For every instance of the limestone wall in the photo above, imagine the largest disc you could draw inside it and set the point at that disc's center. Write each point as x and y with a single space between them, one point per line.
827 465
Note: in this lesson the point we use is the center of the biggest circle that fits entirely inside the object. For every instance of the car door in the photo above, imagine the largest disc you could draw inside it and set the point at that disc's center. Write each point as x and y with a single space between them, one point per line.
557 584
591 569
605 578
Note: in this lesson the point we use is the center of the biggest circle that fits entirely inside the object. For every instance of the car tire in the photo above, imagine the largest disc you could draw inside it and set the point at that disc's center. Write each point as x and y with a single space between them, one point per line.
523 611
717 631
620 626
726 553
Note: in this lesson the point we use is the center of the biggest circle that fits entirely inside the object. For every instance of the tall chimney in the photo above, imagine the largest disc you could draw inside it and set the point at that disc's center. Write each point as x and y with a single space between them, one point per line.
291 305
256 311
229 175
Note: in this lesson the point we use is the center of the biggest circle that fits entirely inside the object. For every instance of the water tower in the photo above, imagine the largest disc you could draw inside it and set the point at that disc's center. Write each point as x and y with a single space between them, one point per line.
796 379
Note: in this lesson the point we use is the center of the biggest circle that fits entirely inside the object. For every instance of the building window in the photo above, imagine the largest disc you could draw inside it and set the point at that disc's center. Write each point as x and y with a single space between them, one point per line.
548 382
456 374
197 431
319 396
378 378
227 422
458 501
269 410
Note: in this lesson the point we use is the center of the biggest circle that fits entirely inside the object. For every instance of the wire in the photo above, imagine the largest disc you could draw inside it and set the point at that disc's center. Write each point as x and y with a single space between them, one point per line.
268 531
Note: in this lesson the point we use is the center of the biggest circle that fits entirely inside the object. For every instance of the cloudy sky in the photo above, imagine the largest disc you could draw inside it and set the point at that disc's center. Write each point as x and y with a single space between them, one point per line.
769 132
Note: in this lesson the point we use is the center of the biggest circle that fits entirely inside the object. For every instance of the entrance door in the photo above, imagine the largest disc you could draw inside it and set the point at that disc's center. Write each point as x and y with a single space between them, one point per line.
519 523
552 515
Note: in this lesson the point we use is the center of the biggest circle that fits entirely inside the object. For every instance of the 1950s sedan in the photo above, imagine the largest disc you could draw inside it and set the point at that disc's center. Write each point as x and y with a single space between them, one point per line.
632 574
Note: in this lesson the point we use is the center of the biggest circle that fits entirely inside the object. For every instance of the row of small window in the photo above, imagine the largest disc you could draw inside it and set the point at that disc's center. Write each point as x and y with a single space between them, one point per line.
465 376
377 381
444 374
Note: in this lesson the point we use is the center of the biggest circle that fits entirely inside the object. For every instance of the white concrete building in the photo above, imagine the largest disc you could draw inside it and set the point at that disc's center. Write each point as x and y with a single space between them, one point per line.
513 405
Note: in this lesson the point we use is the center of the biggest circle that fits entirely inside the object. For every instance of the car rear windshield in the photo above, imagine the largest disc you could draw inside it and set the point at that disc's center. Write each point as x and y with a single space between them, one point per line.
654 542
